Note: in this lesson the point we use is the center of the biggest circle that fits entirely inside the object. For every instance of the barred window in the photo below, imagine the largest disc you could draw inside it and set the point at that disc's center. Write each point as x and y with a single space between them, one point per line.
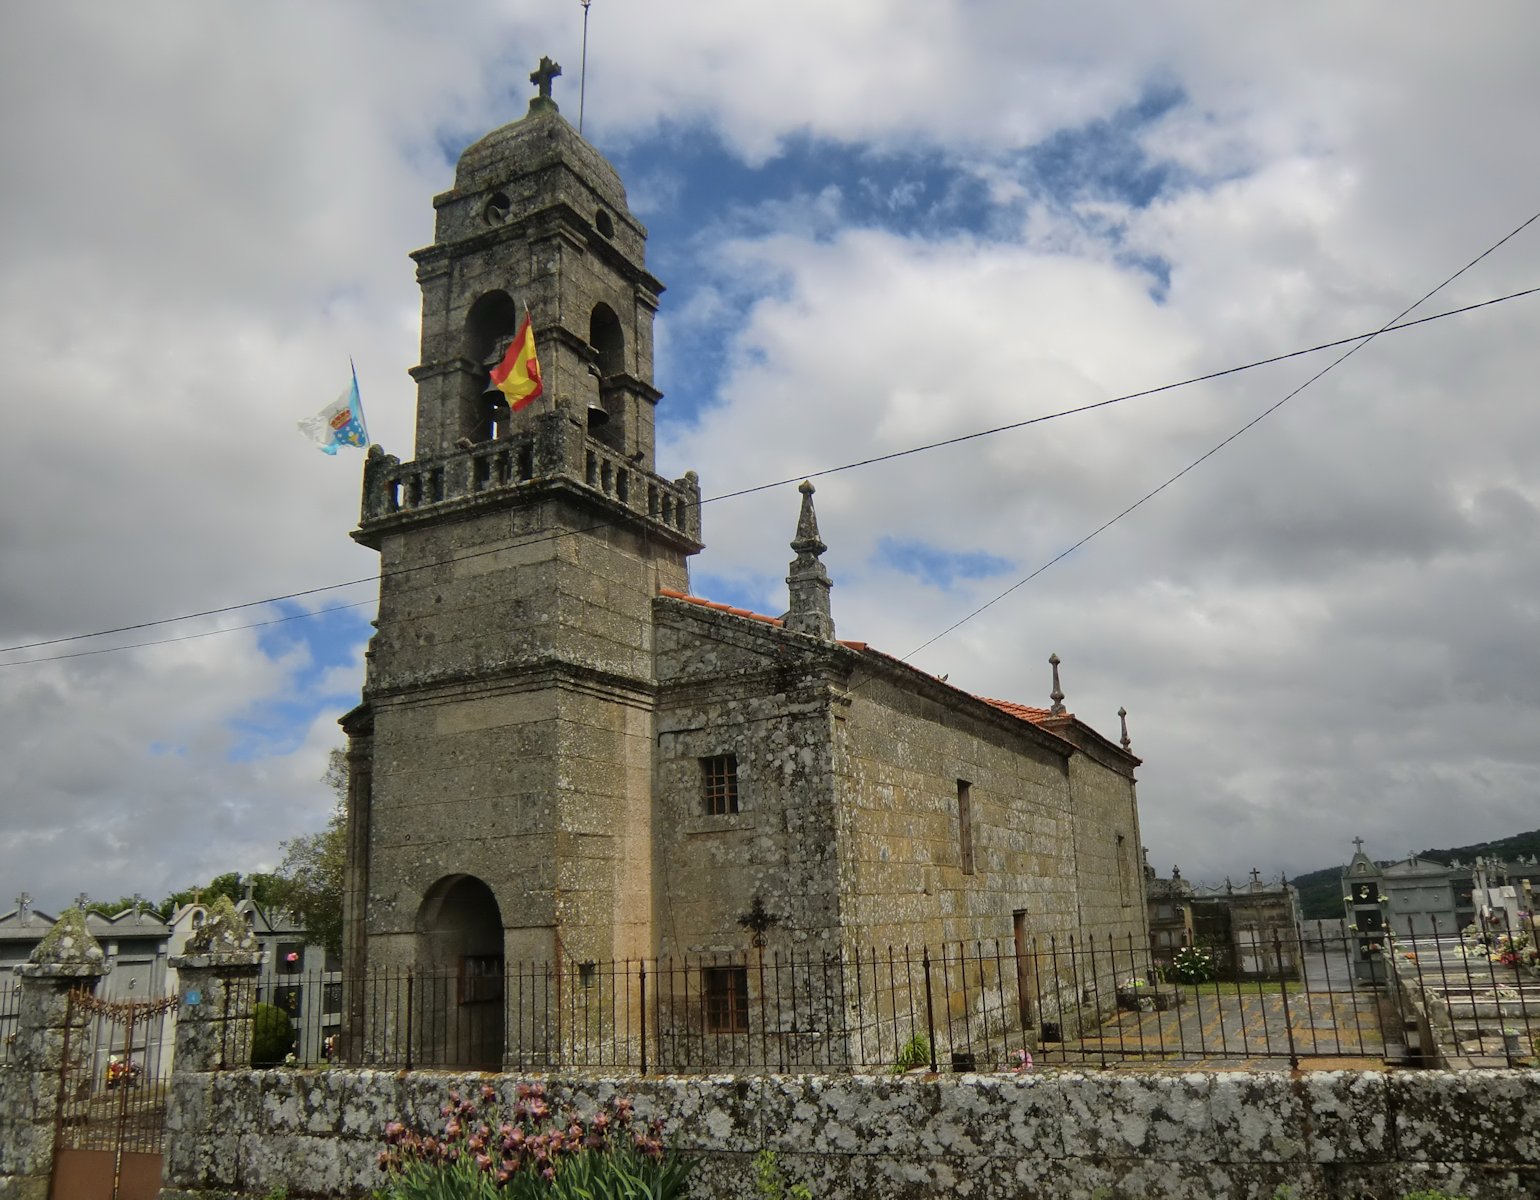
719 784
726 992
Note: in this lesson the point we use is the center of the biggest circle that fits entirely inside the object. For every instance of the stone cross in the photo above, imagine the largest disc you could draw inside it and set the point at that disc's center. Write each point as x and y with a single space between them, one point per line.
1358 845
1256 875
81 901
24 905
541 77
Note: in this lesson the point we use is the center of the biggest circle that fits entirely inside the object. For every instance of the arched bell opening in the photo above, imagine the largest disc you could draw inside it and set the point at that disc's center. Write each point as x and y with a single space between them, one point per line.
459 988
608 343
490 327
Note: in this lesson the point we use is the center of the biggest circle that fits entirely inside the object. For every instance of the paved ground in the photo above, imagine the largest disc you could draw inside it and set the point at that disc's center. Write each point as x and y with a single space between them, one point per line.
1218 1028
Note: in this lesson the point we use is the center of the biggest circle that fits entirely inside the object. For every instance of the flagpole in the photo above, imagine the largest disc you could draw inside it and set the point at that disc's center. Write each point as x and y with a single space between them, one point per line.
583 70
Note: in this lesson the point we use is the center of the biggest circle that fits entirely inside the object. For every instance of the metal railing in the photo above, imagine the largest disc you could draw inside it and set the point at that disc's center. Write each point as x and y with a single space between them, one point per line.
976 1006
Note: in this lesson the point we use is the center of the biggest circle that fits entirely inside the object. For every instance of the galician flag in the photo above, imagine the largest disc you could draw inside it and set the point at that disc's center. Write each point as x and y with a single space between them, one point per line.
518 375
340 423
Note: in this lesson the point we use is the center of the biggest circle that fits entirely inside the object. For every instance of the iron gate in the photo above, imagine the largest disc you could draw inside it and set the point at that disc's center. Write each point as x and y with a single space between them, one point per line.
111 1123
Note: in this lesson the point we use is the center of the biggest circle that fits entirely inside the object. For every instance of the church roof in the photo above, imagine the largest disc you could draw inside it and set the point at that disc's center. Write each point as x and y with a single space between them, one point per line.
1022 712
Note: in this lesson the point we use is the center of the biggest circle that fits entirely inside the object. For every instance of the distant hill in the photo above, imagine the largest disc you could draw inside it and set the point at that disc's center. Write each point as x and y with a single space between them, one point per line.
1320 892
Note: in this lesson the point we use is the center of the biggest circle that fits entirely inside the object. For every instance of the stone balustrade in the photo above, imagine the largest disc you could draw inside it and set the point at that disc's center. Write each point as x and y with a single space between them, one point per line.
553 449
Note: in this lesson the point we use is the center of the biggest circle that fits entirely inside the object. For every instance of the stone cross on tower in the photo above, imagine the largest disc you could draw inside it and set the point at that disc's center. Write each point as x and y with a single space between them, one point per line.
542 76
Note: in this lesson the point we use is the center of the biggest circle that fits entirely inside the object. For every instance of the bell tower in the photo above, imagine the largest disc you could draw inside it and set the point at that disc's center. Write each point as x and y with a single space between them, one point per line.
501 757
537 220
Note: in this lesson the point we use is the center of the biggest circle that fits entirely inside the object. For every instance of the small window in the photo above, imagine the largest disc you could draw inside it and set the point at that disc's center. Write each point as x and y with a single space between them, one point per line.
604 224
726 991
331 998
719 784
289 998
291 958
965 824
481 978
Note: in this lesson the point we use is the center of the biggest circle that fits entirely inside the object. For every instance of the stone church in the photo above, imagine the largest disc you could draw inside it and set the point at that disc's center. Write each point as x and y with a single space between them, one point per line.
561 755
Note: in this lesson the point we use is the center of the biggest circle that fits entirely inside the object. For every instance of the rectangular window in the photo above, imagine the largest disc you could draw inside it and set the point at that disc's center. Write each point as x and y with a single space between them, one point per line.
726 999
719 784
331 998
481 978
291 958
1125 872
965 824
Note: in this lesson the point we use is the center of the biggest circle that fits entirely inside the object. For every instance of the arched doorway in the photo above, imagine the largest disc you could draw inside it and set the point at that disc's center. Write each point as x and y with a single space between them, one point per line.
459 1005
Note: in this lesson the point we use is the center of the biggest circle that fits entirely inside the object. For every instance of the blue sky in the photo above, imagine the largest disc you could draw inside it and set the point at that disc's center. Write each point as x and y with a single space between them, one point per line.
924 220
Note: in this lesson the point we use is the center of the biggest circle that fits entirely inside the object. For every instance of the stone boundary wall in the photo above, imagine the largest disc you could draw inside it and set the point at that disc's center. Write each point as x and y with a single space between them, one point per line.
1092 1136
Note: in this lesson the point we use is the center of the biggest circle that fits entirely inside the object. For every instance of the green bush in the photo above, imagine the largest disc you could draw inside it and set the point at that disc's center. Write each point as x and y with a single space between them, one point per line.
272 1036
914 1053
533 1153
1191 965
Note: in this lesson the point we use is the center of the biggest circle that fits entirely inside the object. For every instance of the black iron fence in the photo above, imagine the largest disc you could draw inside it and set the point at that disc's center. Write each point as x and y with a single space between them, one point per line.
983 1005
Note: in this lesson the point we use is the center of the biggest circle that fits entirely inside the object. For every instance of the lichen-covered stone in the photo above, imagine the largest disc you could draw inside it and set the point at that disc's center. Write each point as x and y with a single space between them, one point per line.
224 935
67 949
1065 1135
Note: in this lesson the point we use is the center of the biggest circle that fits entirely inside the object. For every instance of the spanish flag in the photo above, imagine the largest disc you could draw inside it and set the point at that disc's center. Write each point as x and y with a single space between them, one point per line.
518 375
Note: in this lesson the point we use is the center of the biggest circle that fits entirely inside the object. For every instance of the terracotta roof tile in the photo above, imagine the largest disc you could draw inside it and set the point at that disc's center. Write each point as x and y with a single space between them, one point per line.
712 604
1022 712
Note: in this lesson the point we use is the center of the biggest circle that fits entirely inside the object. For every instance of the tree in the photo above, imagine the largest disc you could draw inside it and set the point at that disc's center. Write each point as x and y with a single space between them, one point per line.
310 877
265 890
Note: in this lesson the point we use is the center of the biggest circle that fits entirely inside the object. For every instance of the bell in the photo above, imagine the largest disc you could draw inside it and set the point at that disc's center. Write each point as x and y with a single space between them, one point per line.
597 416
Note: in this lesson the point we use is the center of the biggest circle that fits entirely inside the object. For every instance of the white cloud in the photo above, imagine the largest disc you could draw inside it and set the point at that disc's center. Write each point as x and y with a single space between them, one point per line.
1322 631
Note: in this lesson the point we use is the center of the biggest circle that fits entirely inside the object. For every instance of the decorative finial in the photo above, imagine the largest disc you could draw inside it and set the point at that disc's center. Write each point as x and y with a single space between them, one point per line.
541 77
1123 718
1057 695
807 581
1176 872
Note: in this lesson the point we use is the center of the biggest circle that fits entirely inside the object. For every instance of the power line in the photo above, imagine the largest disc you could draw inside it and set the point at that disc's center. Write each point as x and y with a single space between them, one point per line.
1251 424
1354 340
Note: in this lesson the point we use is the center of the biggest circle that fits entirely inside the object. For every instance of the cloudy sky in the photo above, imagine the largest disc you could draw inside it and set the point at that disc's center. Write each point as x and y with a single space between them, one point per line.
882 223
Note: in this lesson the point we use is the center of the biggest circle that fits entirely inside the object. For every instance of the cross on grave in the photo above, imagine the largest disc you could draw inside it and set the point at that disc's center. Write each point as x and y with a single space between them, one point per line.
1256 875
81 901
542 75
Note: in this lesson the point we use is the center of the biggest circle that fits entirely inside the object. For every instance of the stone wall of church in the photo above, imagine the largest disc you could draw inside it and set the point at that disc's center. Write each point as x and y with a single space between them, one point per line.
1108 860
1164 1136
730 687
1043 824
